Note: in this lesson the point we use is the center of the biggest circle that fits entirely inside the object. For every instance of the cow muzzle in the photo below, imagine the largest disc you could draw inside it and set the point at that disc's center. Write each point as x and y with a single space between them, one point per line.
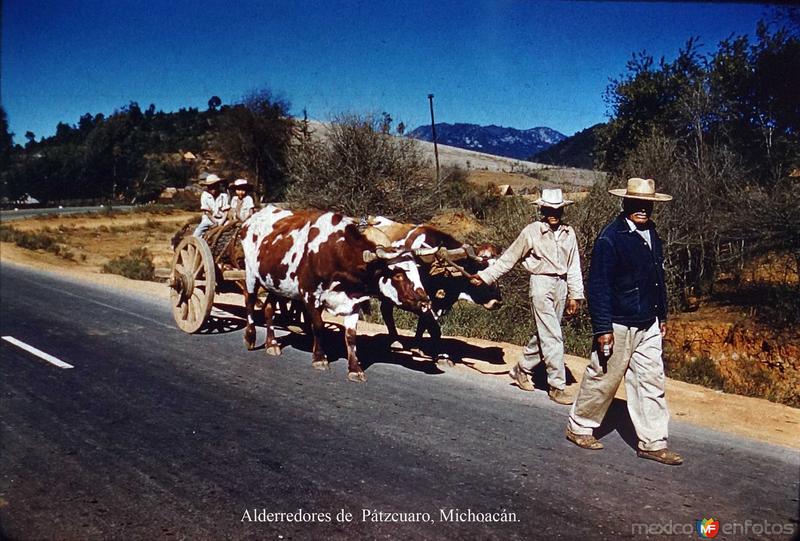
423 302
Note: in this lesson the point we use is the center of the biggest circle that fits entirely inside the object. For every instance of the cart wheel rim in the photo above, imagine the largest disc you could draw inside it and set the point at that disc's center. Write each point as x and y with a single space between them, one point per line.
192 284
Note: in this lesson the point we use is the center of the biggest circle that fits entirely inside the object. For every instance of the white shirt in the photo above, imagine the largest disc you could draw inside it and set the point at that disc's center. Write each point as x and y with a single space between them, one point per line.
240 209
215 208
645 233
545 252
208 203
222 208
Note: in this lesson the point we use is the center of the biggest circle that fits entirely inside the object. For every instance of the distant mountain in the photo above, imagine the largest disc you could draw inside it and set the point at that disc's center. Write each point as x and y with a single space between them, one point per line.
496 140
575 151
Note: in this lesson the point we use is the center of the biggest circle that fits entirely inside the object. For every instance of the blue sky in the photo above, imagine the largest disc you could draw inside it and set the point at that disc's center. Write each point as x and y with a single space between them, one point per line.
512 63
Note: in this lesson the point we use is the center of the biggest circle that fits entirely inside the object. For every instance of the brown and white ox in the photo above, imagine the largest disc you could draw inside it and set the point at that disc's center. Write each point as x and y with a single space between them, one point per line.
446 276
322 260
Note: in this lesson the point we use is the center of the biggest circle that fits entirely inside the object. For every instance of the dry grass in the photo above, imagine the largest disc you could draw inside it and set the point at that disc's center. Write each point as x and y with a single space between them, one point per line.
95 240
137 265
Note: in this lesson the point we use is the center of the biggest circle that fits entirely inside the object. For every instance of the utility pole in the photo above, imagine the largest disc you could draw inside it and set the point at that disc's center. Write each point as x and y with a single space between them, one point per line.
433 133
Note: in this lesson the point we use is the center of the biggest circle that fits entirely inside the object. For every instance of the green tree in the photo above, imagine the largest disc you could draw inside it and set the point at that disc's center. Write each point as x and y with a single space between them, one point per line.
6 140
257 133
721 133
743 97
6 149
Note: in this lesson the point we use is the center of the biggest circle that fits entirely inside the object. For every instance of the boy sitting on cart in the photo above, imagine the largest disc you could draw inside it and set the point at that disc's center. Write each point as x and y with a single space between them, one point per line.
242 205
213 204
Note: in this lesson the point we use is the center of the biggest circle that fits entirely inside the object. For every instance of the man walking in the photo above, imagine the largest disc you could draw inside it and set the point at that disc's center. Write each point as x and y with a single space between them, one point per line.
550 249
628 307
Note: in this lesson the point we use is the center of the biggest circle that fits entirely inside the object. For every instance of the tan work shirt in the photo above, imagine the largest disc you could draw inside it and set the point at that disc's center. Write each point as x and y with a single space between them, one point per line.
548 252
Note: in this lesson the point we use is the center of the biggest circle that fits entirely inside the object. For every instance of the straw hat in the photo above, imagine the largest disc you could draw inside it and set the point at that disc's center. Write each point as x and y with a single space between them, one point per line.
641 188
554 198
241 183
210 180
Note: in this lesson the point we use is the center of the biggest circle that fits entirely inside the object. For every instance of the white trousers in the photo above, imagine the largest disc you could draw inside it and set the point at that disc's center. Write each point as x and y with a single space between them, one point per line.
548 297
202 227
637 358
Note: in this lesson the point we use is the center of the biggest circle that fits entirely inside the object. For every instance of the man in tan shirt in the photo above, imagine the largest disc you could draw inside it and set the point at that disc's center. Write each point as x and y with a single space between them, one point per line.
549 250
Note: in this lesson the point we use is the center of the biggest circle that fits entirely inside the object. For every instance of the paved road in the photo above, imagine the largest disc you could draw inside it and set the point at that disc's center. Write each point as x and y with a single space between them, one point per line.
158 434
10 215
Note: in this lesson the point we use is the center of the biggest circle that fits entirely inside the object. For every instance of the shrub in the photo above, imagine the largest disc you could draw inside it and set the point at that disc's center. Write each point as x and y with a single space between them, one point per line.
34 240
6 234
137 265
701 371
358 170
741 375
37 240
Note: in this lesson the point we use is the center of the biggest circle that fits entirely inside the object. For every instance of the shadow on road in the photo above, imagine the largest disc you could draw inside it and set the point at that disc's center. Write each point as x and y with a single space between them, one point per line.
371 349
618 419
221 325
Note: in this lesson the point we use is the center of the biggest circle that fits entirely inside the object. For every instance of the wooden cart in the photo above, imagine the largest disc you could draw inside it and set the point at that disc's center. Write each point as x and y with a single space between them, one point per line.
194 279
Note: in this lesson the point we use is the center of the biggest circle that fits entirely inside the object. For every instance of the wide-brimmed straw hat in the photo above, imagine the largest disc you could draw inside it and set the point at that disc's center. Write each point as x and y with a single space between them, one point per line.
553 198
210 180
241 183
641 188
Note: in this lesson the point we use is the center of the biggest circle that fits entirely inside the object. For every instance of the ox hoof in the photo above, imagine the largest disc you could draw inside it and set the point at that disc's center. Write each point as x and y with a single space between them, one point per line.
250 338
396 345
273 350
321 365
357 377
444 361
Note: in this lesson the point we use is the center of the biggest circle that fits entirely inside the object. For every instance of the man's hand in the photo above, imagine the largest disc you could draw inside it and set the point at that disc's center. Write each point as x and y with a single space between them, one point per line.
573 305
605 347
476 280
663 328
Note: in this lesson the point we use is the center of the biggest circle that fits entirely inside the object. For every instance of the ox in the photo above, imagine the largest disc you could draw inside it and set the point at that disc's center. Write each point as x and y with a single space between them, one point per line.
446 275
322 260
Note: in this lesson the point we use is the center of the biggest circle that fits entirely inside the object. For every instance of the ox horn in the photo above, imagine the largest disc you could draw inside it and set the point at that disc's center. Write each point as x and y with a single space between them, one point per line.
471 252
381 253
457 253
424 251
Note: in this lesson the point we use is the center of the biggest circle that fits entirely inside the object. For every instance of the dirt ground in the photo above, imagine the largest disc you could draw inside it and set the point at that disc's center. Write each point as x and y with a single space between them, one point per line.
96 239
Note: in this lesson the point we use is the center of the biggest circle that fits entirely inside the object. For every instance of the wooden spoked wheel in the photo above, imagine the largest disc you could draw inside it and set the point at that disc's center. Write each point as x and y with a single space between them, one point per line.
192 284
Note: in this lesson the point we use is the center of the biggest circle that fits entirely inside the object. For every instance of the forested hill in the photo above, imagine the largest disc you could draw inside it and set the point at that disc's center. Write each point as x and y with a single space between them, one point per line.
576 151
133 154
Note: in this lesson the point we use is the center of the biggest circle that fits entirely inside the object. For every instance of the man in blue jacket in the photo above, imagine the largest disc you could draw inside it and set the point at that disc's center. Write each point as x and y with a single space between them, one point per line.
628 306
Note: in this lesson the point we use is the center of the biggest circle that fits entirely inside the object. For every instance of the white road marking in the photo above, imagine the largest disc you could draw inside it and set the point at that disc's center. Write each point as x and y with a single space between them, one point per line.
39 353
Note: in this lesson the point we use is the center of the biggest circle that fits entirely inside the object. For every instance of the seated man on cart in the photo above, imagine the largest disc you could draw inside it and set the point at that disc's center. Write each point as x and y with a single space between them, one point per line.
213 204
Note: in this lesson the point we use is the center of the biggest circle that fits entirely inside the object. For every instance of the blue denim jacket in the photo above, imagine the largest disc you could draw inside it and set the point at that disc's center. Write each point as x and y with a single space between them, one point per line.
626 278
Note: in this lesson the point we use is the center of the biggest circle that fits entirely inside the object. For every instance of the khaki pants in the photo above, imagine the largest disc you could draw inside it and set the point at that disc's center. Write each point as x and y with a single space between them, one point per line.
637 358
548 297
